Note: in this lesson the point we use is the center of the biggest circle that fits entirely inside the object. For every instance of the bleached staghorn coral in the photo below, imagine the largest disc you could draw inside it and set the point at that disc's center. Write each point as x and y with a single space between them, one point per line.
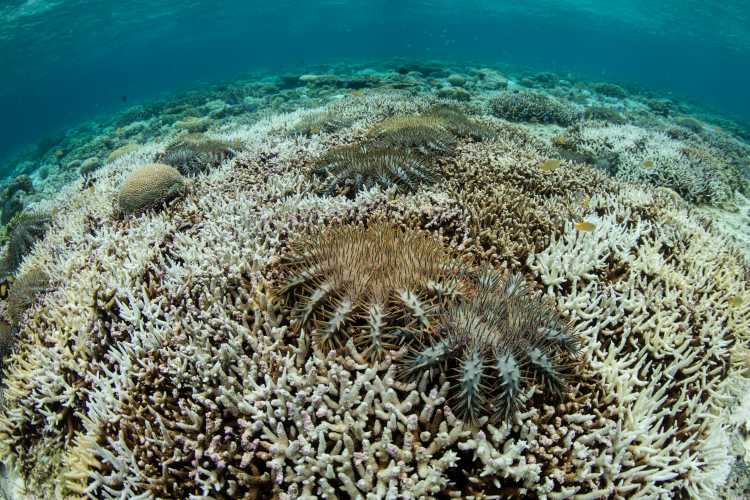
657 302
733 223
513 207
176 326
696 171
107 268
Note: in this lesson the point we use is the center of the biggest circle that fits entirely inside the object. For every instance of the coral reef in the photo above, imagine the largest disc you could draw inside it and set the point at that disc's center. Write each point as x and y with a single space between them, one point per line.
604 114
610 90
19 183
458 123
512 208
535 107
696 171
454 93
249 340
193 124
690 123
89 166
7 341
149 186
121 151
10 198
328 120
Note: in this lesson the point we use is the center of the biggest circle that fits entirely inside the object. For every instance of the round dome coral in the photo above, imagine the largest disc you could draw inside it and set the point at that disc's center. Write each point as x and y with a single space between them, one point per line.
148 186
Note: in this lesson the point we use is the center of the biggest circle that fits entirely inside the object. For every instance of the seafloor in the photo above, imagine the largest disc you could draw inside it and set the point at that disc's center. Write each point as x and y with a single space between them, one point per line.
395 280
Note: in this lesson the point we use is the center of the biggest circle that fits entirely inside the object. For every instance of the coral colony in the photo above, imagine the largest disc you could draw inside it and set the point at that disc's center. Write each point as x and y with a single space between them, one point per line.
490 286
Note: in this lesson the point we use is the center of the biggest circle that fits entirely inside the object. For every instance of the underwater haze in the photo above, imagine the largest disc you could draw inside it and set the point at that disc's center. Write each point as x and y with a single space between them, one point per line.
65 60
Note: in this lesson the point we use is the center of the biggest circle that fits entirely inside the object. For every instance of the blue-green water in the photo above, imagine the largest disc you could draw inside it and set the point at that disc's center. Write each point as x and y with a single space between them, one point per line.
64 61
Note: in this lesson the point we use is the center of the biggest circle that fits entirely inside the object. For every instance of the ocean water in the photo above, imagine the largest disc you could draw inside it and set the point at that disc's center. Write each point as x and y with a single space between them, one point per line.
365 249
64 61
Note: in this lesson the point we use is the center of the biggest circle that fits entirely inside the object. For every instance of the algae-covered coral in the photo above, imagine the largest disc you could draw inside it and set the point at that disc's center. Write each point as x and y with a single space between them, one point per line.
252 340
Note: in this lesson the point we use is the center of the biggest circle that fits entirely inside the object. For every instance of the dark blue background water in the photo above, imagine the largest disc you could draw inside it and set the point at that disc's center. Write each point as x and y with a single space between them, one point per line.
63 61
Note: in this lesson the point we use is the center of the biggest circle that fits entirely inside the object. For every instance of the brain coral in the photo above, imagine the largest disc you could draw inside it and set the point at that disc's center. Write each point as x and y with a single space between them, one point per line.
149 186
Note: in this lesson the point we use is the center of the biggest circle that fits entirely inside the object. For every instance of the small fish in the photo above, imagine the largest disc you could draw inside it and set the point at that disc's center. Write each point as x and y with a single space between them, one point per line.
735 301
585 226
124 98
648 164
5 285
357 93
315 130
549 165
585 202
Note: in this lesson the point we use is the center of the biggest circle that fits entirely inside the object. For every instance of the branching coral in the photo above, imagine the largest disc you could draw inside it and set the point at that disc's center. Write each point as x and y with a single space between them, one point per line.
328 120
377 285
604 114
490 345
7 341
696 171
349 169
121 152
161 366
513 208
655 297
533 107
457 122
